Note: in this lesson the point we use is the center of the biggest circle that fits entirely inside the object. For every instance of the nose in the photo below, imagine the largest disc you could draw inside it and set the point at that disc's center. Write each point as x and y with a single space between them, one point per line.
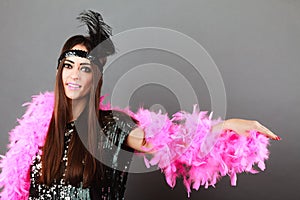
75 73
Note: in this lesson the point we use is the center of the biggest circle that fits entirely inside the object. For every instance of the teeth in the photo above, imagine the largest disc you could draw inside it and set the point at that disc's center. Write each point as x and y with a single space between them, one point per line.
74 85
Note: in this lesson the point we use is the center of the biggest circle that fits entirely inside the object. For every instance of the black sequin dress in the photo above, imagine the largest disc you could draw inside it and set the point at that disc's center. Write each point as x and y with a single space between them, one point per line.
115 159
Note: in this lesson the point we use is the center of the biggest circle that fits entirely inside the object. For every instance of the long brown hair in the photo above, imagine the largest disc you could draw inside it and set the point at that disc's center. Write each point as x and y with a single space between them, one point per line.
81 162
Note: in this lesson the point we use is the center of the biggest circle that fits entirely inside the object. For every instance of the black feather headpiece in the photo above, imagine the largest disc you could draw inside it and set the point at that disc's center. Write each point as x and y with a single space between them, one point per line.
99 33
99 39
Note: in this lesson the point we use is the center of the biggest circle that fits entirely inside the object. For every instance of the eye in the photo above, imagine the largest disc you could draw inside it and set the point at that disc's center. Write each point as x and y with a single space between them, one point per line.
85 69
67 65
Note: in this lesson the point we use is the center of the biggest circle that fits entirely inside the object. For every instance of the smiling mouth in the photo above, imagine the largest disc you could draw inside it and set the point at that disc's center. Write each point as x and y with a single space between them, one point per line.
73 86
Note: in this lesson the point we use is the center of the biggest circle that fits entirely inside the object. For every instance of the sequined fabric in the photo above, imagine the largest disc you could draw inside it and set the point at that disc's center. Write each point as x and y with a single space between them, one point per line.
116 157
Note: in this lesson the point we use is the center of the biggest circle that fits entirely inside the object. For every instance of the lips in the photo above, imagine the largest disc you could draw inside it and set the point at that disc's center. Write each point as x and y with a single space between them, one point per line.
73 86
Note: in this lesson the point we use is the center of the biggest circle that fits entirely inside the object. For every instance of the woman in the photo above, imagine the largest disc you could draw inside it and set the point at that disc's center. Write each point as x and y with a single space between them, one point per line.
54 149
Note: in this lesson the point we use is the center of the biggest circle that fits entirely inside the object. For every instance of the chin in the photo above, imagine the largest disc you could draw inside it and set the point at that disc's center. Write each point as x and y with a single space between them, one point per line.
76 97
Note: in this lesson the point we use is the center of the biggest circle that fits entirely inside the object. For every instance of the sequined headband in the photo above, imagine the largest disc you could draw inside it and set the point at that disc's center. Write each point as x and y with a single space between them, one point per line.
79 53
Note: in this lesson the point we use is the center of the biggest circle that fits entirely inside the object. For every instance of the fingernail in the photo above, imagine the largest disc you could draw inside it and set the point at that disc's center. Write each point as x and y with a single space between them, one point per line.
278 138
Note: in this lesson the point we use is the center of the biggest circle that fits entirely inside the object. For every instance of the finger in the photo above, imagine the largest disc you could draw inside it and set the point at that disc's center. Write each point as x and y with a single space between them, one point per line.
265 131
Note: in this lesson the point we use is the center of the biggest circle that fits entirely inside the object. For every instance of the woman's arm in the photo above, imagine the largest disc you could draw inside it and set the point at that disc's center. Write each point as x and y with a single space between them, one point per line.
136 138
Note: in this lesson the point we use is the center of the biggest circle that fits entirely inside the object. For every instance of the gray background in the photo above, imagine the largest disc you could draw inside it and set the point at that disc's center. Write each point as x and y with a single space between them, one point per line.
254 43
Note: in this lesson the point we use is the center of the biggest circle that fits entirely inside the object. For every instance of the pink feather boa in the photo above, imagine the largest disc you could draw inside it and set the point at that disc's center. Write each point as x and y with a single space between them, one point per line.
184 149
188 149
25 140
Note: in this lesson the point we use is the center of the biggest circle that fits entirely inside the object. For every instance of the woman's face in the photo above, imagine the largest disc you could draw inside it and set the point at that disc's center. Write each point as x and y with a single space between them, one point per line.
77 75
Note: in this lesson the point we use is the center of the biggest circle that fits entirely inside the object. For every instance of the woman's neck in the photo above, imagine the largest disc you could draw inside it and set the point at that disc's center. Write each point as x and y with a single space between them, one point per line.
77 107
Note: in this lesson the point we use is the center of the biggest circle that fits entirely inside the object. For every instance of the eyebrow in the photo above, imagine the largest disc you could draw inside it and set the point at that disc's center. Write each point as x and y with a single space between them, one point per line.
80 63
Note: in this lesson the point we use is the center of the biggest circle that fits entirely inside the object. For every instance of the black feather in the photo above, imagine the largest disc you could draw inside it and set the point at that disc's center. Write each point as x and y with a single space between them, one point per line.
99 33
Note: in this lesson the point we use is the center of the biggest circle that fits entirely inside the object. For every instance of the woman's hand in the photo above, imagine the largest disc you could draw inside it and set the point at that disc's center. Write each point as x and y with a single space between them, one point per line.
242 127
